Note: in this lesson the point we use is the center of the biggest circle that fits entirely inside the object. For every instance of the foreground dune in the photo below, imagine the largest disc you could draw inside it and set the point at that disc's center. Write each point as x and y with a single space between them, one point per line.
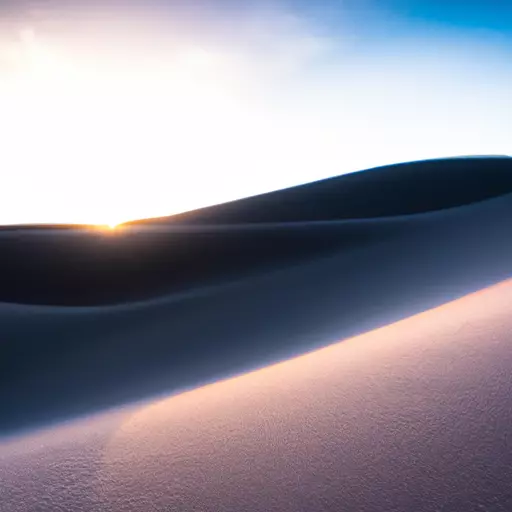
412 416
93 319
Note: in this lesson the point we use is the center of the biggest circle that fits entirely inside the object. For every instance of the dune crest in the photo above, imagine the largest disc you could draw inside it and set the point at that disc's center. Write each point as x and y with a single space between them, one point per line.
402 189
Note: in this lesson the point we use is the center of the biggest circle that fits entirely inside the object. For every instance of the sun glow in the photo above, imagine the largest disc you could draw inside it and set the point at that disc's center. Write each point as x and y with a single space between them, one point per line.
118 140
84 127
103 132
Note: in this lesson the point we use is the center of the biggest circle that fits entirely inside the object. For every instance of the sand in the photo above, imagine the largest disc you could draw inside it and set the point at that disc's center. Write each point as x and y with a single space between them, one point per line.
412 416
335 364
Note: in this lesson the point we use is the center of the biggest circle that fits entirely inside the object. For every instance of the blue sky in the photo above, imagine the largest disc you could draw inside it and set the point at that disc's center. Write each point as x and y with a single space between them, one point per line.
494 14
119 110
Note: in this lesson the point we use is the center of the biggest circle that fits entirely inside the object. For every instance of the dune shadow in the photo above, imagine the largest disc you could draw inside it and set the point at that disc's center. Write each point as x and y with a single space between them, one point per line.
147 259
393 190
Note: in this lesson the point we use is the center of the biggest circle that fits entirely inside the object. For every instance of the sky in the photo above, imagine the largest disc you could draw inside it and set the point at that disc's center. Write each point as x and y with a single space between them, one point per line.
116 110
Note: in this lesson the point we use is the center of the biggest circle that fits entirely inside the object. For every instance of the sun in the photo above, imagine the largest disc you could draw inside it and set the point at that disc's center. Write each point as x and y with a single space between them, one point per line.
118 129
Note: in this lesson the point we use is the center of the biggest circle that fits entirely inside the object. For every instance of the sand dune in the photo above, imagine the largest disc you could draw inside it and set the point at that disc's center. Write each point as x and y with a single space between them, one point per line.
90 319
146 259
402 189
412 416
217 333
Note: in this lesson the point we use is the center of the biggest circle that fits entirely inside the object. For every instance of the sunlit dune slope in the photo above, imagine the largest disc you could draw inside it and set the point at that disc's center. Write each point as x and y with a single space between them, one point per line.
412 416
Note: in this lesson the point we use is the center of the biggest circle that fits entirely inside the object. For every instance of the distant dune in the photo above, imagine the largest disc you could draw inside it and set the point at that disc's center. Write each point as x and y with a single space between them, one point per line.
93 319
393 190
412 416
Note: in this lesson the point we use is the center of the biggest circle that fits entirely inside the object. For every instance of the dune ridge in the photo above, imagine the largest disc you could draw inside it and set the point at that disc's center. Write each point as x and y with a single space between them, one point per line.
393 190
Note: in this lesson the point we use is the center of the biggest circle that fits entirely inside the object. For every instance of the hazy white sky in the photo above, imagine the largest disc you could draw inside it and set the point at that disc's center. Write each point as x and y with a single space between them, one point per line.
111 115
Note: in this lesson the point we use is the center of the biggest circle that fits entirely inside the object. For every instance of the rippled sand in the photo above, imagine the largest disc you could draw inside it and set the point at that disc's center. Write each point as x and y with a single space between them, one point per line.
412 416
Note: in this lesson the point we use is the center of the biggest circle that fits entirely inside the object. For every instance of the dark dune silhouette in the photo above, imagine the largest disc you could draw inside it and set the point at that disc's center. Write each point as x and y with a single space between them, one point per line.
401 189
85 267
92 319
412 416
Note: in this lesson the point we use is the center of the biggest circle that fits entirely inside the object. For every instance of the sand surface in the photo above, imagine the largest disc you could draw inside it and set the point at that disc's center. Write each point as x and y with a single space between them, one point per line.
412 416
94 319
294 351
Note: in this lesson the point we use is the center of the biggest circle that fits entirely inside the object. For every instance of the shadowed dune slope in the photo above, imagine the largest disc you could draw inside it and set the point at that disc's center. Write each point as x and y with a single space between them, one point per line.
198 303
87 267
412 416
401 189
94 268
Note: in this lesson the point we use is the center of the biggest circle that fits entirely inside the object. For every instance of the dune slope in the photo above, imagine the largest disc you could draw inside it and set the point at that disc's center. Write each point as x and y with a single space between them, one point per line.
393 190
413 416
